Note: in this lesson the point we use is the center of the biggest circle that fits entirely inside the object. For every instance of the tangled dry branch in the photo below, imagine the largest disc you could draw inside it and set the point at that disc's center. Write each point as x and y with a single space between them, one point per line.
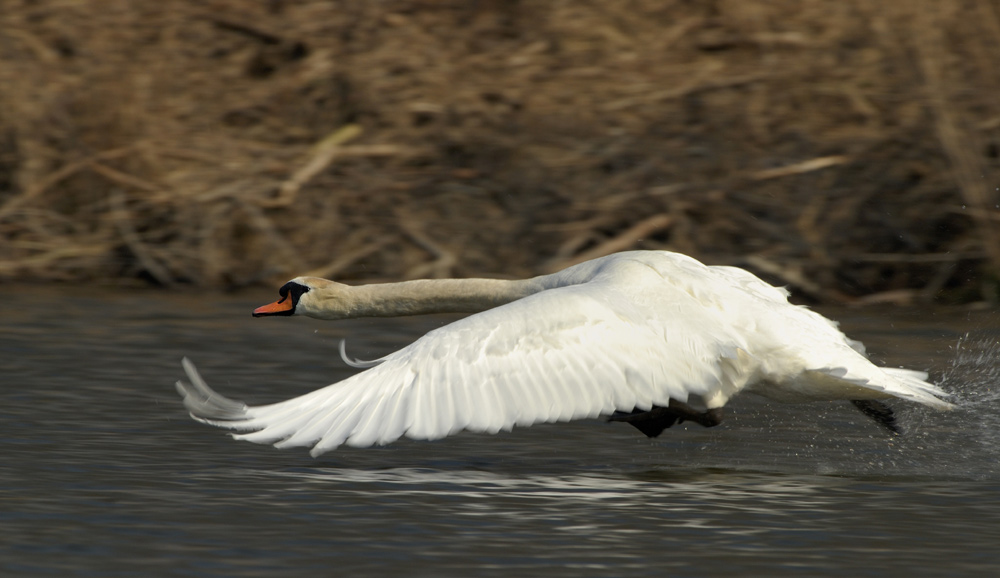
847 149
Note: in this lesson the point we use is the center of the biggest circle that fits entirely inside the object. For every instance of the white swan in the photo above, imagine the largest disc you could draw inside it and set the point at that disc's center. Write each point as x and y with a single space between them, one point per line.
634 335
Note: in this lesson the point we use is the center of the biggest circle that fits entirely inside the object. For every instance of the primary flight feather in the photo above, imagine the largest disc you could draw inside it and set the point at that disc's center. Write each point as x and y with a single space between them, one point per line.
646 337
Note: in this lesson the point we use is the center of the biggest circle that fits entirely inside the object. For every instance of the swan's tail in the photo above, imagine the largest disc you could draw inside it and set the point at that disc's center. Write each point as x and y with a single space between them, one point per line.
866 382
912 385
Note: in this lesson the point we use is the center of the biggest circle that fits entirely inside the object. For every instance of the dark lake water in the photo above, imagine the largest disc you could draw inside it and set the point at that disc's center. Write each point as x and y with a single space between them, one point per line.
104 474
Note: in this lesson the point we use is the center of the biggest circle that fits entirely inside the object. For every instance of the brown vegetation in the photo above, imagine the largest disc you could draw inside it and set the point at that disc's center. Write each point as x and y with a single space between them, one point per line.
845 148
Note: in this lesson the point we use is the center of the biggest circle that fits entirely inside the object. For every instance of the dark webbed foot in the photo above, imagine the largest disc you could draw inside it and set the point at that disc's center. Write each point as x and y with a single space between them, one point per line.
652 422
880 412
658 418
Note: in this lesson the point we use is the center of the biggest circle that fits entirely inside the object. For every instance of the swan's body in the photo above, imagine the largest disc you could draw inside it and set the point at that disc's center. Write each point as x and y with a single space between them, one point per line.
631 332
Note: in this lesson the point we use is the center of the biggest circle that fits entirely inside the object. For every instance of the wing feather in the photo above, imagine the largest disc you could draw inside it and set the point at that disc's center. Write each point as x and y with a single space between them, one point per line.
490 372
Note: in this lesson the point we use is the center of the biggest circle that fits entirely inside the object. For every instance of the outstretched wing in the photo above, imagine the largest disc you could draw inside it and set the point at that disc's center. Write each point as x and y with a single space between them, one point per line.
562 354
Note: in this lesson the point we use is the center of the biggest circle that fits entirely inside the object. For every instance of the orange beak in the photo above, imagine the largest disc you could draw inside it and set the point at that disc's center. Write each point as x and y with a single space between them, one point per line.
282 307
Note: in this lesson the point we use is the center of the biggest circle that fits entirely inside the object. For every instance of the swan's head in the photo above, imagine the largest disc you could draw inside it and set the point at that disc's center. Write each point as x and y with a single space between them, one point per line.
300 296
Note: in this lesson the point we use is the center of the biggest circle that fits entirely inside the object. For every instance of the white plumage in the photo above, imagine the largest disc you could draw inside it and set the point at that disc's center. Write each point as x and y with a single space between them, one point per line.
625 332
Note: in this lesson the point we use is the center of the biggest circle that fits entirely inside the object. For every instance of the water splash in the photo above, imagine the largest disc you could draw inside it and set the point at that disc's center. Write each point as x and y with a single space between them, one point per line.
974 375
967 441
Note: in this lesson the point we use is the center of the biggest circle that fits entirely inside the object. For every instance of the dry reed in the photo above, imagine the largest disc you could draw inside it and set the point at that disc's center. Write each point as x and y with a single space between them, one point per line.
848 149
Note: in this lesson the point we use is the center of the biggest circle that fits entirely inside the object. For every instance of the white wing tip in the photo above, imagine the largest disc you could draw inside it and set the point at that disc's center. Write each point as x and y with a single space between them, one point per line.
357 363
204 403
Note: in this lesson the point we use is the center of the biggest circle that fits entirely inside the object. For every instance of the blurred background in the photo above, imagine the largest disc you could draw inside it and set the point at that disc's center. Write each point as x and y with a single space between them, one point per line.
849 149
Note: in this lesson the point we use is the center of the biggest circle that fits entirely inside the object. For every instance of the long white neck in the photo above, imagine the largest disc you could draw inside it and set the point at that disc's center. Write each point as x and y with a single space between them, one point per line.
329 300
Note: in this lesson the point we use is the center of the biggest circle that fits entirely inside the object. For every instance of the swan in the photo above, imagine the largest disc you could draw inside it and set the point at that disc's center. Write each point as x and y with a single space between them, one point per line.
649 338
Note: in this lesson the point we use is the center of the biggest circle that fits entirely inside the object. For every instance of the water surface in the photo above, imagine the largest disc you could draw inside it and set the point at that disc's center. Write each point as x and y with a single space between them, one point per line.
103 473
